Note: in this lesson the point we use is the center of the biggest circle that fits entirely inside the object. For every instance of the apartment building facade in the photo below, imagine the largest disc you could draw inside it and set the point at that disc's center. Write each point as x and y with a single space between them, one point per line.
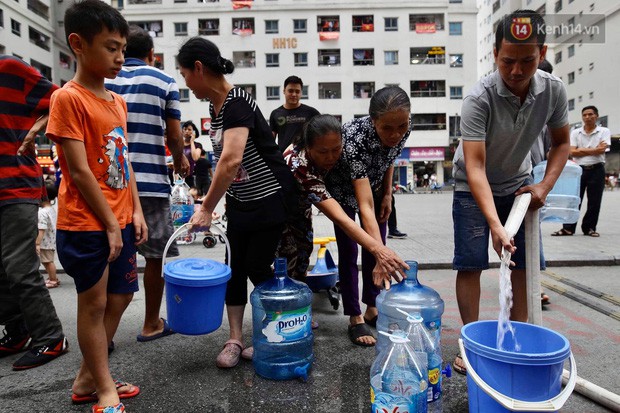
343 51
582 39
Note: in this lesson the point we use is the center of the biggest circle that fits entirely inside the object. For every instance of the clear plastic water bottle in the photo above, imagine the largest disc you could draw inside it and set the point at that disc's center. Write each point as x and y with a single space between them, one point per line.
422 340
398 377
182 208
282 335
410 297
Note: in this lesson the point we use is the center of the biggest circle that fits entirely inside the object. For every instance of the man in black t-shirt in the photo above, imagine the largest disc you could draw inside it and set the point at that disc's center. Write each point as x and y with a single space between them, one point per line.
203 173
287 121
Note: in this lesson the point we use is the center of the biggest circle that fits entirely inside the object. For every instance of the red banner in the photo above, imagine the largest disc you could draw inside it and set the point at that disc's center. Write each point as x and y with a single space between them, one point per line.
238 4
425 28
329 35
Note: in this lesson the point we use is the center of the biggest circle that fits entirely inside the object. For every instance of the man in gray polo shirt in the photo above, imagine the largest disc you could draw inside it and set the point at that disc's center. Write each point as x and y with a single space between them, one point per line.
501 119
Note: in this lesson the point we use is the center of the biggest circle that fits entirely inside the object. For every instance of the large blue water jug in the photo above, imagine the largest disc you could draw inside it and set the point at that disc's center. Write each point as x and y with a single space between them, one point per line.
562 204
281 317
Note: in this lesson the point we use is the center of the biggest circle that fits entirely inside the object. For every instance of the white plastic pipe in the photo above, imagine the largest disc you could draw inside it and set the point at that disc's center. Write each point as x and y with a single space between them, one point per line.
532 267
595 393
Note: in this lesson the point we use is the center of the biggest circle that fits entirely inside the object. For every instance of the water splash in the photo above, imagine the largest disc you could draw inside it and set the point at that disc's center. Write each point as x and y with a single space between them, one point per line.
505 304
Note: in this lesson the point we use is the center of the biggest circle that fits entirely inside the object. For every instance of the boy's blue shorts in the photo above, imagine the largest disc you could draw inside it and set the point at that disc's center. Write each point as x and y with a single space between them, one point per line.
84 256
471 233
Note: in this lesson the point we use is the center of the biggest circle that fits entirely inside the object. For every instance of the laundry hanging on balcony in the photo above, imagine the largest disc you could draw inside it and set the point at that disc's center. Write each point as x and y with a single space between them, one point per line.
329 36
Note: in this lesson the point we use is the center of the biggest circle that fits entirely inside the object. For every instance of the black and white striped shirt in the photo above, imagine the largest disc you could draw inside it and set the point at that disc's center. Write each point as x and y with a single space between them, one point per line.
263 170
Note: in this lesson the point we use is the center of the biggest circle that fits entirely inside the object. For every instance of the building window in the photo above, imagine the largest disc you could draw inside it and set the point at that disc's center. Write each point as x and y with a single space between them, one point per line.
591 95
154 28
180 29
159 61
300 26
39 39
363 57
330 90
495 6
39 8
391 57
328 24
304 92
591 67
455 1
391 24
272 59
363 90
571 77
558 5
456 28
184 95
427 55
16 27
209 27
592 7
428 88
1 18
580 71
244 59
144 1
271 26
273 92
456 60
46 71
571 50
426 23
579 99
243 26
455 126
363 23
64 60
429 121
329 57
456 92
558 57
251 89
571 104
301 59
180 1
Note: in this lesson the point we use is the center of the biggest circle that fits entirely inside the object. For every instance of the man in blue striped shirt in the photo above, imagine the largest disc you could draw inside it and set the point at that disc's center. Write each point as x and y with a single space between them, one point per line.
153 109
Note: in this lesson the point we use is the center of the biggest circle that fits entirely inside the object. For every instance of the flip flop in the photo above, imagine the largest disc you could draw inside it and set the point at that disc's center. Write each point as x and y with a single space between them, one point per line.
165 332
561 233
89 398
360 330
457 368
593 233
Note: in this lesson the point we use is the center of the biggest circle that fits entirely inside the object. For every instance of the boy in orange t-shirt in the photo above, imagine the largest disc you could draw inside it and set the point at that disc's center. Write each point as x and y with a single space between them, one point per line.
100 219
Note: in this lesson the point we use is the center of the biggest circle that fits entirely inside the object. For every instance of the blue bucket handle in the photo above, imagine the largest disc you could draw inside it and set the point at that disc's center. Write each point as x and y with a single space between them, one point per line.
185 228
551 405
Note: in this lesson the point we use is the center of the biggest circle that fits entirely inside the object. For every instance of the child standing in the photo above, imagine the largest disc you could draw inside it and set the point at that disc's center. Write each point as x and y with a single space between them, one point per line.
100 220
46 240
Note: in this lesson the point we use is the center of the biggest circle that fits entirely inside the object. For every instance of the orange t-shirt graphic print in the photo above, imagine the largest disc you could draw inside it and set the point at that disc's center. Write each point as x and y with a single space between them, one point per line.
77 114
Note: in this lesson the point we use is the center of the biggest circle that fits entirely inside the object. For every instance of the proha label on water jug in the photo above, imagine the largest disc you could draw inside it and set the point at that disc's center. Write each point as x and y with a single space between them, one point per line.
281 326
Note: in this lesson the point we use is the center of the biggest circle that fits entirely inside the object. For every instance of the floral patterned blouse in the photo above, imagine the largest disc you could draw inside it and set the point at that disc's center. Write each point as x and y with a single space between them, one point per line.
363 156
309 180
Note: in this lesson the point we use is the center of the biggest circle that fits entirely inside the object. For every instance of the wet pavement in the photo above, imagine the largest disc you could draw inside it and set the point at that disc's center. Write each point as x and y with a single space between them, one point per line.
178 373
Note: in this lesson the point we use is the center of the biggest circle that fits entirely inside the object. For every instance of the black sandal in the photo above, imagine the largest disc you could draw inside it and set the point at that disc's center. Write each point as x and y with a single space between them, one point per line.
561 233
360 330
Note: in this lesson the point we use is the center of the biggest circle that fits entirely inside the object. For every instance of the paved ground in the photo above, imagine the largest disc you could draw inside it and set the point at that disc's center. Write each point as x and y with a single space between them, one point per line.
178 374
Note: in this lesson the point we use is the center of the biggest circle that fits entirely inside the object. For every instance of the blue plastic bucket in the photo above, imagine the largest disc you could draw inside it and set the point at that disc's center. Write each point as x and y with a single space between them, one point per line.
528 380
195 292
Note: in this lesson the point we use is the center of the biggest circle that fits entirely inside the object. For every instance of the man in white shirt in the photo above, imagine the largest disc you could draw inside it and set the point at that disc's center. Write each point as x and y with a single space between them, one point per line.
588 145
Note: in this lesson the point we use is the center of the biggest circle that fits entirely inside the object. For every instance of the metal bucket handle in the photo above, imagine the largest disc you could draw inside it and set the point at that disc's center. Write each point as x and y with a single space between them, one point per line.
185 228
552 405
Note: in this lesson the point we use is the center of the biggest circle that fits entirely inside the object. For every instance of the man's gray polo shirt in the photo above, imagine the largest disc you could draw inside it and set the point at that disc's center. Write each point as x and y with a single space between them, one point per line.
491 113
